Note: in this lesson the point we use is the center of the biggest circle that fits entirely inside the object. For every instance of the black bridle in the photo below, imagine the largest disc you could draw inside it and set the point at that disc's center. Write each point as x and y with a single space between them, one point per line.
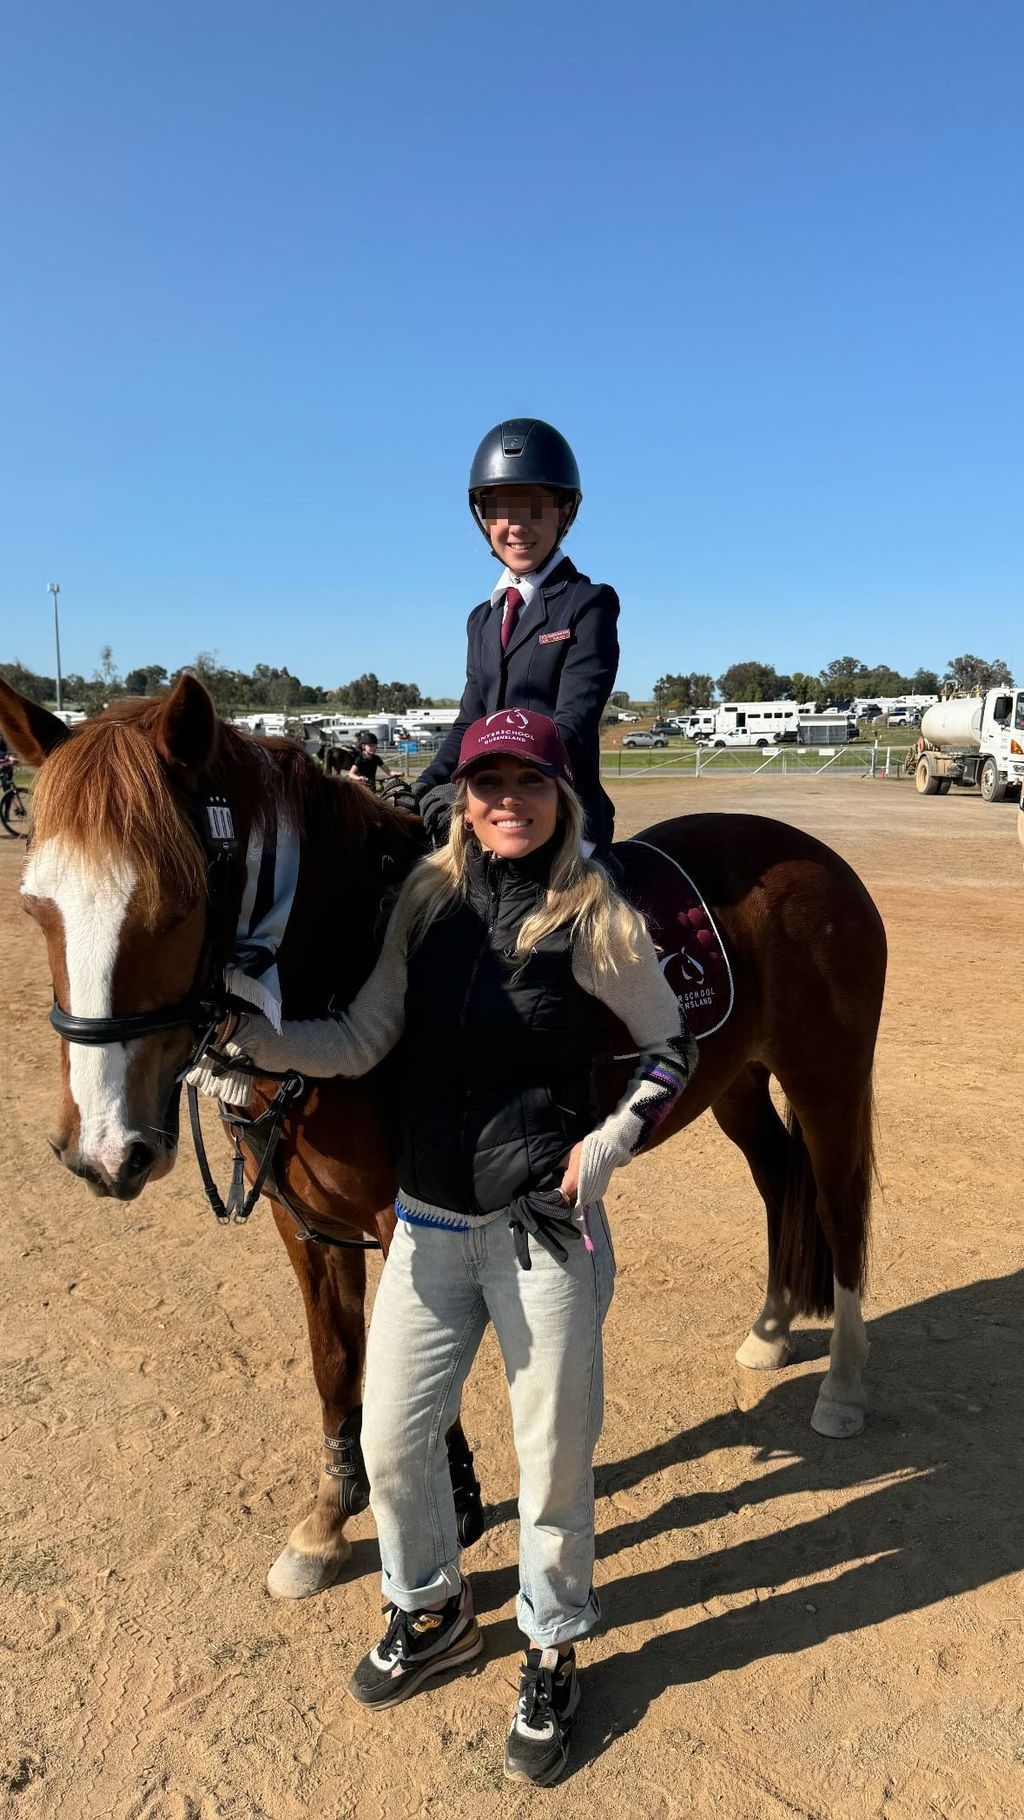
205 1009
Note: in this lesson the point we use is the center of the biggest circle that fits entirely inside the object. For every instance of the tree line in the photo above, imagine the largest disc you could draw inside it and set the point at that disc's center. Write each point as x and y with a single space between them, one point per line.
265 686
842 680
276 689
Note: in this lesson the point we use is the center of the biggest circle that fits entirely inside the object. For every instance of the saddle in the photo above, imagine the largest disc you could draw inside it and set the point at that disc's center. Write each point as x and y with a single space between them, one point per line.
693 956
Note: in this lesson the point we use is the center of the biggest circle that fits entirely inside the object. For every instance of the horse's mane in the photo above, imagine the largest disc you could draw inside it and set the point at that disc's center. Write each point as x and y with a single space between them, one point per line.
105 795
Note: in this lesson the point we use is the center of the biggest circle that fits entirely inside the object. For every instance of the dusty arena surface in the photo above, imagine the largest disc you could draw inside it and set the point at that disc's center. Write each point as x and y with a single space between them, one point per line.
794 1626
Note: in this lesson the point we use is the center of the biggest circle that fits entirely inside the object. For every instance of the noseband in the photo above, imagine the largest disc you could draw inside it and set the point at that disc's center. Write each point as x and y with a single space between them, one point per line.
204 1009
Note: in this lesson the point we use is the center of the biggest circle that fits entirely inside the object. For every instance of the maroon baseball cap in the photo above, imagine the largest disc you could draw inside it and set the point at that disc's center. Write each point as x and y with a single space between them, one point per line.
516 733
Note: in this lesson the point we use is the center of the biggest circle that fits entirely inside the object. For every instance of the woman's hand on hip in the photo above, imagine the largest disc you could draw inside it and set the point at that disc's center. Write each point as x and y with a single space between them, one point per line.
570 1182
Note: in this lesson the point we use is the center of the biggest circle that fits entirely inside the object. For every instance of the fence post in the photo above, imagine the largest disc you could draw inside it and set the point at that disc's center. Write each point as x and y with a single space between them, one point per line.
696 754
873 754
888 750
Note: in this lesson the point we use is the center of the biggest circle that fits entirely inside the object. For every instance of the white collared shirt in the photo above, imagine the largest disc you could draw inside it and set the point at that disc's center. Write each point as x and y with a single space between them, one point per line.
527 584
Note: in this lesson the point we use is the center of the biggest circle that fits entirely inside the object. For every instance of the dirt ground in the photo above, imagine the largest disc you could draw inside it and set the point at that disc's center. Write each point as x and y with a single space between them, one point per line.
795 1626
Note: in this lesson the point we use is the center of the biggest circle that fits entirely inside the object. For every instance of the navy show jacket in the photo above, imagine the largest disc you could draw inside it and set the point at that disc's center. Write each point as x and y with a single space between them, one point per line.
561 660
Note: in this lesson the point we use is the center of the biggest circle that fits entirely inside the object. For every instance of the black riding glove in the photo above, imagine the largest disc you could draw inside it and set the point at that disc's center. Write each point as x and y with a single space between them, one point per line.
404 799
435 806
544 1217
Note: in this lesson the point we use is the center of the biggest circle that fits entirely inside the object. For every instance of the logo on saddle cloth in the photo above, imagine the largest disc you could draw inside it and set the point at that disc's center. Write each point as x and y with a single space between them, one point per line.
693 958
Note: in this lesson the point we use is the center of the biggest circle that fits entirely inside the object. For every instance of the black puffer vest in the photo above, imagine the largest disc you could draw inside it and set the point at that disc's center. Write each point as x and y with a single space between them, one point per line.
498 1053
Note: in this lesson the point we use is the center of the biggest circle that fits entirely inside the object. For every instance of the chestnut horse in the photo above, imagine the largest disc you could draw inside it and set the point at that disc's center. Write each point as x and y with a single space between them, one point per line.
118 882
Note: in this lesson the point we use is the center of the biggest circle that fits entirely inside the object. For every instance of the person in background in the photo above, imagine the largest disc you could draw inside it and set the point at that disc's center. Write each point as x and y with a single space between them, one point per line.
546 639
368 761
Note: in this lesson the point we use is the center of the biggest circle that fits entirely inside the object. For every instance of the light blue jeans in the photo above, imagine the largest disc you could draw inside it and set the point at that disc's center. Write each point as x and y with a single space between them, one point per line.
438 1290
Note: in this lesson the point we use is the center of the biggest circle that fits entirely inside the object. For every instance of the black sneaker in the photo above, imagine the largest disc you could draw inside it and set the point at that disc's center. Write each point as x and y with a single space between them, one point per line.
417 1644
538 1741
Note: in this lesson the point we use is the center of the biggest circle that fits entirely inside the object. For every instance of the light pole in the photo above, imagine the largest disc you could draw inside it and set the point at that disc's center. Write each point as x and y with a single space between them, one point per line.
53 588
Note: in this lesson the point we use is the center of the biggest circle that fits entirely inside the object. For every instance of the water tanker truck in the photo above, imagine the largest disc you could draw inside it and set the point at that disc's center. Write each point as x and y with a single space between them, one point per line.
975 739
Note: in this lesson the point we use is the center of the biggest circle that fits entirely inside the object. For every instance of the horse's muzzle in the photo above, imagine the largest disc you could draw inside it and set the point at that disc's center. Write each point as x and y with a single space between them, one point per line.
123 1179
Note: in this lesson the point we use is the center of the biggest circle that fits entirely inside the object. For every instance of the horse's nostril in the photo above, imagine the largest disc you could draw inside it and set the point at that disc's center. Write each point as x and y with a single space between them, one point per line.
140 1158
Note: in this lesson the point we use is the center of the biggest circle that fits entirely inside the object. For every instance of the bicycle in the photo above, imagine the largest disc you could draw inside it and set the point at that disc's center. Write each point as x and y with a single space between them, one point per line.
13 803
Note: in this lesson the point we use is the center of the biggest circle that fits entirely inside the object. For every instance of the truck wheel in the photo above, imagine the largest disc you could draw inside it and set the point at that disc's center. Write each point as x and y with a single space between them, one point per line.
925 780
992 787
945 785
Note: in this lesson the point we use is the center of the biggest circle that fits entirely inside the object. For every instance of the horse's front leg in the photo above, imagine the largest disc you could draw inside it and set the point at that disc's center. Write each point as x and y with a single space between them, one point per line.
333 1284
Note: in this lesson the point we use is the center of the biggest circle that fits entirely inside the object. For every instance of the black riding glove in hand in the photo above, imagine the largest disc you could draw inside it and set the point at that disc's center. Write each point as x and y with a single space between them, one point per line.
435 806
544 1217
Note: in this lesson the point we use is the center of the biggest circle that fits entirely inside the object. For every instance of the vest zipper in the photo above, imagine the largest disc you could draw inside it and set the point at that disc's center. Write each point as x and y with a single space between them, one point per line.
465 1163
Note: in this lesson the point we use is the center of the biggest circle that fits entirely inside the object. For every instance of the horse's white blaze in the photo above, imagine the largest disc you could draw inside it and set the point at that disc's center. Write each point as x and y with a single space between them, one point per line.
92 909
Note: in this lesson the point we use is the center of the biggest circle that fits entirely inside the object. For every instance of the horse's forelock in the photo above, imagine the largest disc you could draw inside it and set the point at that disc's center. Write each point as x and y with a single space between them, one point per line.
105 796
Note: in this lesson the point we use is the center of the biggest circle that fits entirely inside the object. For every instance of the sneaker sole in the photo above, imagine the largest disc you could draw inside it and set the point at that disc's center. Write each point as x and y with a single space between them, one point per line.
470 1644
547 1780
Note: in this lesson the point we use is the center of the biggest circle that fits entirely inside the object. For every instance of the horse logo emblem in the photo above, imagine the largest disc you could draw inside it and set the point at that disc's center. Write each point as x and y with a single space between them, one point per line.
513 719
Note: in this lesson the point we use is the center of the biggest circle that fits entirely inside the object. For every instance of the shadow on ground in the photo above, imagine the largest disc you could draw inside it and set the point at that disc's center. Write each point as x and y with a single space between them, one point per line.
923 1523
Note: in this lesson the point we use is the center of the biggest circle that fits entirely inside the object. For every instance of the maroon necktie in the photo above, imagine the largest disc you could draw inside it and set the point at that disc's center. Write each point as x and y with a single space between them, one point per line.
513 602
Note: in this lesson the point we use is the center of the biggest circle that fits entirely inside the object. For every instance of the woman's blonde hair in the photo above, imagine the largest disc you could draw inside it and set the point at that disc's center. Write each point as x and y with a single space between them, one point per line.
603 926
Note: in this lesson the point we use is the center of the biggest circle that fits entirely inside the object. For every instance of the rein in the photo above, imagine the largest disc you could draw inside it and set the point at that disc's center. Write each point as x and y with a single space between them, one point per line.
204 1009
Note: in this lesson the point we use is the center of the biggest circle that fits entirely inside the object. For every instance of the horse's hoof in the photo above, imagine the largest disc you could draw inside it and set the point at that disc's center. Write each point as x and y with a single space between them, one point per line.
295 1575
470 1521
836 1420
757 1354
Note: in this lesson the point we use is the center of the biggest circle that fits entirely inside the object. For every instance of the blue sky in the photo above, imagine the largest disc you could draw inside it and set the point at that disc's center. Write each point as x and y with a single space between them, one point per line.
270 273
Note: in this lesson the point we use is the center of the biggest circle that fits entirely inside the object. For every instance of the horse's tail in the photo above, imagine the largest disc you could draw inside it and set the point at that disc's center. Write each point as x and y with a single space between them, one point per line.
803 1261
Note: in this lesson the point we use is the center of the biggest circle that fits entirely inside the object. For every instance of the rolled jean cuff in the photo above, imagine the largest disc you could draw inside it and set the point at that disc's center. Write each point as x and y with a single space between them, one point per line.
444 1585
565 1630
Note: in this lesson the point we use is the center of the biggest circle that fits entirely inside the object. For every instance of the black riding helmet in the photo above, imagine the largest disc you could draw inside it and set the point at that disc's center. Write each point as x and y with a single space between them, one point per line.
524 452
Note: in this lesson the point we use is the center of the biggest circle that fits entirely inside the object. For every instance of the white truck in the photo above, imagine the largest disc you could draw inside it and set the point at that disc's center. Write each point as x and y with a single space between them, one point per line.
972 739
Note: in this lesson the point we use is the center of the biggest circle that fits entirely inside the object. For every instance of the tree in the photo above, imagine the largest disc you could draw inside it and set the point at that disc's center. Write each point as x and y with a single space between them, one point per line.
398 697
700 688
844 676
147 679
882 681
803 687
750 682
670 692
619 698
923 682
108 673
361 694
969 673
693 690
38 688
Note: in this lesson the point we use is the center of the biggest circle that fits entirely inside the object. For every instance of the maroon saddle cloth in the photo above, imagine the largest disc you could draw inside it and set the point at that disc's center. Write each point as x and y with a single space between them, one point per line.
692 953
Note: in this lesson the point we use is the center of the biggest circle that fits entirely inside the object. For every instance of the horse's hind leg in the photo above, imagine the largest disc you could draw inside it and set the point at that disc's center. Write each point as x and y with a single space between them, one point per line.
333 1285
836 1127
747 1116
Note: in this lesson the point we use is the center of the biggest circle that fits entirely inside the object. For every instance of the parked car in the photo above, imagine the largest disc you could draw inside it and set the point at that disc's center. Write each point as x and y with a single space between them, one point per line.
735 736
629 717
645 739
666 726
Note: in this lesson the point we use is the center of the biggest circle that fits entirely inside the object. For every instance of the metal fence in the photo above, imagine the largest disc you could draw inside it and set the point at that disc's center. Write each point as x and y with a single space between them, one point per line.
782 761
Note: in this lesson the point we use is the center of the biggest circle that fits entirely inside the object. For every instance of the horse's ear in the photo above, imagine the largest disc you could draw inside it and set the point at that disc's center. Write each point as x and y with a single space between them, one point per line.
186 732
31 732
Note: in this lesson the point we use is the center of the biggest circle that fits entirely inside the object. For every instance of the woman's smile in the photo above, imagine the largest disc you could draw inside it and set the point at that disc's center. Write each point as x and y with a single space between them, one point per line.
511 807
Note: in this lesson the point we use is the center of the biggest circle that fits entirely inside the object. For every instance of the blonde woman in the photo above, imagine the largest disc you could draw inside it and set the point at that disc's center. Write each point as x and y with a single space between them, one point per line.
500 953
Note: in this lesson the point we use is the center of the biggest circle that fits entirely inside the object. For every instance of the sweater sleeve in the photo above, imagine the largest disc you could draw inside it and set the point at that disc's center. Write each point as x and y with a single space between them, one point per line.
350 1043
642 999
